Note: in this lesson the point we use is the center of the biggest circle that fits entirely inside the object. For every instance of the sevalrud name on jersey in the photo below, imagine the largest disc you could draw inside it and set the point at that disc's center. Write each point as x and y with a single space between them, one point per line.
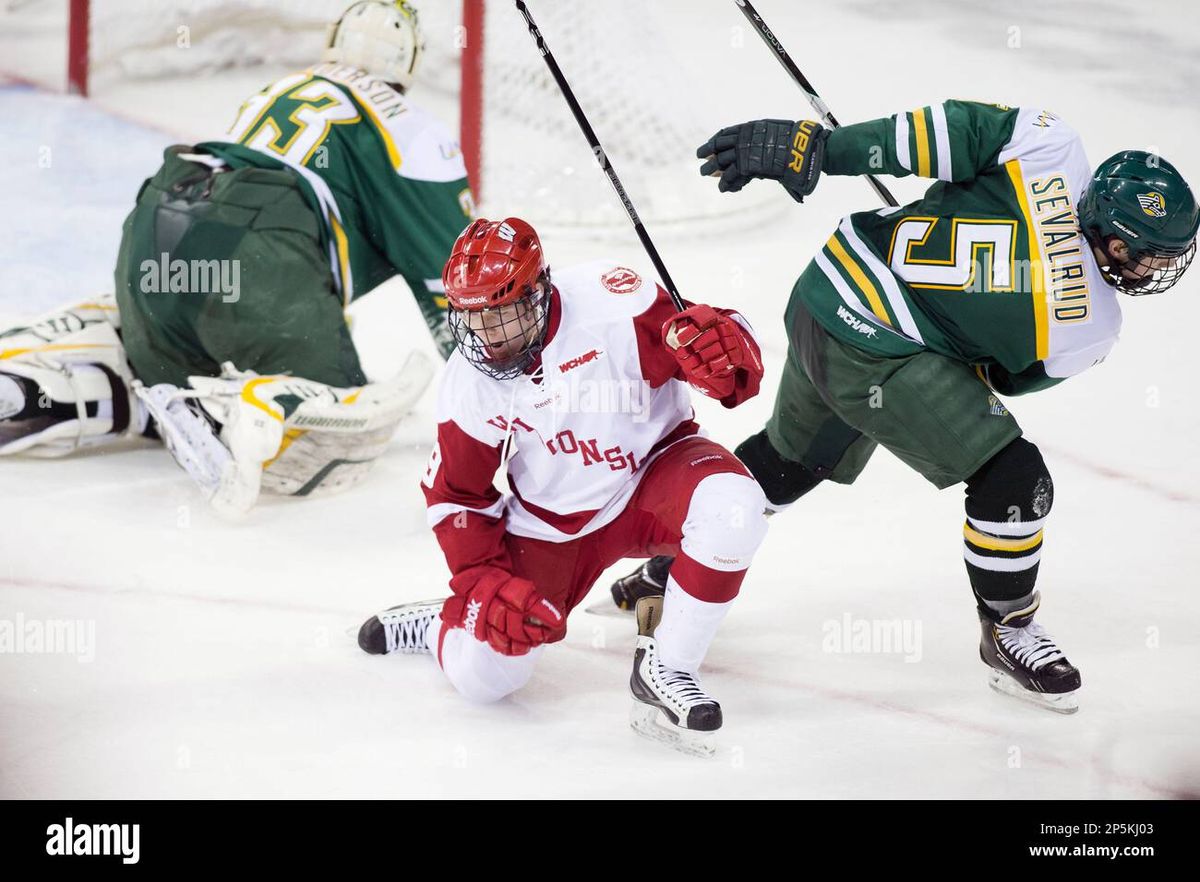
69 839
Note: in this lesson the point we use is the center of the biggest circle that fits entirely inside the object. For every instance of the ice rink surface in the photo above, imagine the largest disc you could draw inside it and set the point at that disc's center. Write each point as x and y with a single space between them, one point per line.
223 661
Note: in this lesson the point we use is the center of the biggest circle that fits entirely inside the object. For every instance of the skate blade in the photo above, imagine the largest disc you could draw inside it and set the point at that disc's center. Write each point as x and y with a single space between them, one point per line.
1060 703
651 722
609 610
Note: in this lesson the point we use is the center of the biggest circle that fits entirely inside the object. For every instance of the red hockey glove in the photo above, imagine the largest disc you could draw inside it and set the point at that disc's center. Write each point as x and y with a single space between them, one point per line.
502 610
711 348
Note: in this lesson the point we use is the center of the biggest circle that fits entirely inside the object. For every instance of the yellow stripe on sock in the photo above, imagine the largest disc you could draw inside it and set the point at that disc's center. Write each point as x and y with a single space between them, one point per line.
993 543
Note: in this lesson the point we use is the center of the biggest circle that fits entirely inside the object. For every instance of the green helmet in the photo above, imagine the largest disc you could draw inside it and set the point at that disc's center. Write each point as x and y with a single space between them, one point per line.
1140 198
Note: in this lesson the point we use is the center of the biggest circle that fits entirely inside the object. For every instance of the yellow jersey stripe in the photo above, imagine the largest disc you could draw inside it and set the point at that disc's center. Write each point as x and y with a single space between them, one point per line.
993 543
343 252
1041 323
860 279
921 130
389 144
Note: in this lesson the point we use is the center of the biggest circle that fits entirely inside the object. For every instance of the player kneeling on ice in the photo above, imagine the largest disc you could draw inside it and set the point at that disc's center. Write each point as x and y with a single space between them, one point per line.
579 389
911 320
235 267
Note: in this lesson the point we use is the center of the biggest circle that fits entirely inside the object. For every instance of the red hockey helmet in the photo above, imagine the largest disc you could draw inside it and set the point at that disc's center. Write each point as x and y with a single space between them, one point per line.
498 287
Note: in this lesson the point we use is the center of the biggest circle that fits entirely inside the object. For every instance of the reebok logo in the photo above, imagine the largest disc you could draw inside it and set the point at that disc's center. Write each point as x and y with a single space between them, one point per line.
473 607
571 363
854 322
69 839
550 606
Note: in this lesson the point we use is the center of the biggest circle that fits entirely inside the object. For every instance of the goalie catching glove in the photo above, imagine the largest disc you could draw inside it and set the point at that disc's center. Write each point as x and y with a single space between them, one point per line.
502 610
712 350
775 149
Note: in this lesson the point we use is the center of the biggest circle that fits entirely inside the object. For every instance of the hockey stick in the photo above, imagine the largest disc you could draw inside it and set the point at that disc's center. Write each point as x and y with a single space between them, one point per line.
801 80
601 156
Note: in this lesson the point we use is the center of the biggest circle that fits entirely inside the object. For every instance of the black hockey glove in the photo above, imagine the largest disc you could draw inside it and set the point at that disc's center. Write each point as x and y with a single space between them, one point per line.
778 149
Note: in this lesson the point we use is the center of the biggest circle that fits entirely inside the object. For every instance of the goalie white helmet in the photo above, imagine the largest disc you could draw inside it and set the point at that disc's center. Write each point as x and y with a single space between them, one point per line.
383 38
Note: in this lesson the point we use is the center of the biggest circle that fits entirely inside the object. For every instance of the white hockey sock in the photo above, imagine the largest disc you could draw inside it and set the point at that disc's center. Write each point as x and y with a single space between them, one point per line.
687 628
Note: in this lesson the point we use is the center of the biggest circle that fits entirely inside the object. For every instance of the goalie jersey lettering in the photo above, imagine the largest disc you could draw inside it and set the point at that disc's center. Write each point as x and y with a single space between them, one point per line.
580 430
989 267
387 178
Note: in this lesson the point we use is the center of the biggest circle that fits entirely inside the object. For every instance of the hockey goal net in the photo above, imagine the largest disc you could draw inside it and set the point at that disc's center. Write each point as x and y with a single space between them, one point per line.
524 151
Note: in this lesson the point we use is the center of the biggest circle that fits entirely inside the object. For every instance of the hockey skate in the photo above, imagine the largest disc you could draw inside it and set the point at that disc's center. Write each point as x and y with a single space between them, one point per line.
669 706
1025 661
191 438
400 628
648 580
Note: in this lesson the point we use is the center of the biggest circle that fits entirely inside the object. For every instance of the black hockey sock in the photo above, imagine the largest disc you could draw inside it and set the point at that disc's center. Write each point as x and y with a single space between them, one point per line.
1008 500
782 480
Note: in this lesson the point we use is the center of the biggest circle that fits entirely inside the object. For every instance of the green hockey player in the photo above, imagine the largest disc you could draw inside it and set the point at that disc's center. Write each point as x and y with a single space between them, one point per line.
235 268
911 320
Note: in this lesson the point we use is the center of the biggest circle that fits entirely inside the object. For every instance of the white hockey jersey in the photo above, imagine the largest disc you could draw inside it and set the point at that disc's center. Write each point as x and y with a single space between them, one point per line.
606 399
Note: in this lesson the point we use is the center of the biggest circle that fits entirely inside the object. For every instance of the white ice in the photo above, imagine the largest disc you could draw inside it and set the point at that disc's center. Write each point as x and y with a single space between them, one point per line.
224 662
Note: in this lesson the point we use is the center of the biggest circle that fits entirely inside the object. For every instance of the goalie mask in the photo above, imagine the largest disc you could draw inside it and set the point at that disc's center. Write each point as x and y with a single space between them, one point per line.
498 287
1142 200
382 38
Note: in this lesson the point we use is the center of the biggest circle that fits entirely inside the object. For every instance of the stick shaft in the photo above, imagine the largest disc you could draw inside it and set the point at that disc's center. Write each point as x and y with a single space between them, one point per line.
822 109
601 157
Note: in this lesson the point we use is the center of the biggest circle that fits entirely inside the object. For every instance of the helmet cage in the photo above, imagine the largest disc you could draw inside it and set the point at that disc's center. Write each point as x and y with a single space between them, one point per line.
526 319
1148 281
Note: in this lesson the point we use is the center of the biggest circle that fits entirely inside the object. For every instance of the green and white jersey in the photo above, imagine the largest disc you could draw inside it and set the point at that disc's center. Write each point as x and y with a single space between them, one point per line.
989 267
387 178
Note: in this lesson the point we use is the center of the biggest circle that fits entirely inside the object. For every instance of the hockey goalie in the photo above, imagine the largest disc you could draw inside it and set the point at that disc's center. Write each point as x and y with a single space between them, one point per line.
578 389
256 384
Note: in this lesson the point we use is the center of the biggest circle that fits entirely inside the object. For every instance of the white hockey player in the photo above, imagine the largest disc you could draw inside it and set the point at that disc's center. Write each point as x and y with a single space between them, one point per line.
579 389
235 267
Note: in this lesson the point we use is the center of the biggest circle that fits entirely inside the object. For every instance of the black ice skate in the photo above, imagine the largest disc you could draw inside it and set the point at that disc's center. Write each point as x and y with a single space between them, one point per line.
1026 663
399 629
648 580
669 706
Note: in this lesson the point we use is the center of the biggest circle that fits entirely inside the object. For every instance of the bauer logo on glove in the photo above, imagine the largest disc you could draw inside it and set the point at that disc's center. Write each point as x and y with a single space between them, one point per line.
774 149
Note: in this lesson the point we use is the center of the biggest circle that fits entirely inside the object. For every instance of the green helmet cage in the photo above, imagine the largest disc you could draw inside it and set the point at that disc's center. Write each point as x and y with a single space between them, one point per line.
1142 199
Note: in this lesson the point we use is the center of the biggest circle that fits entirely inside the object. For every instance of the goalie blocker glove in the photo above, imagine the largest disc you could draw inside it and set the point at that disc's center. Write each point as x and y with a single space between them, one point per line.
775 149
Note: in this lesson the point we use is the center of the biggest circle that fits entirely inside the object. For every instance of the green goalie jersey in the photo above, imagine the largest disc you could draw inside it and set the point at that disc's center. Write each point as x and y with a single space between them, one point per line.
989 267
386 178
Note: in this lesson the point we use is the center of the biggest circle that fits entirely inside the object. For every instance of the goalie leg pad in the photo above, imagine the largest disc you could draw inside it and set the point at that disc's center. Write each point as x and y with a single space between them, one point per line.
292 436
312 463
75 387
